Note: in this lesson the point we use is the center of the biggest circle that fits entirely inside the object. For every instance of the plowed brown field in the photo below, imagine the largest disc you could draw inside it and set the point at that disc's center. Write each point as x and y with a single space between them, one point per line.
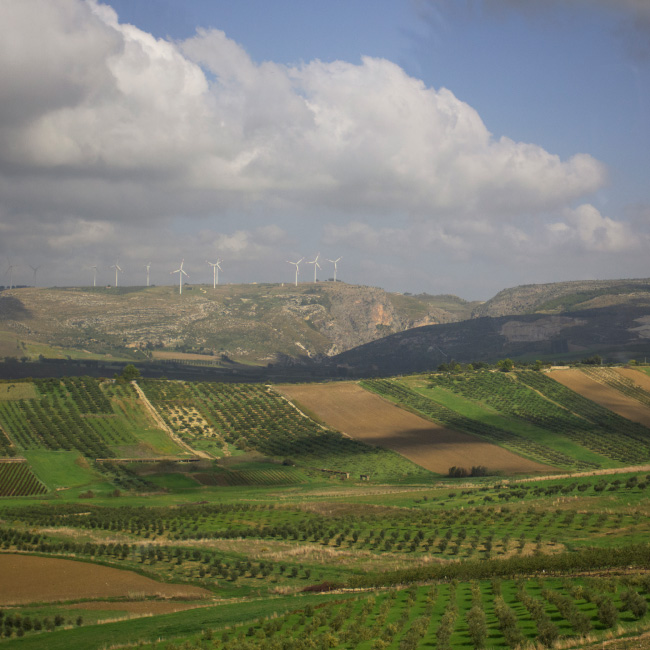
29 578
604 395
637 376
376 421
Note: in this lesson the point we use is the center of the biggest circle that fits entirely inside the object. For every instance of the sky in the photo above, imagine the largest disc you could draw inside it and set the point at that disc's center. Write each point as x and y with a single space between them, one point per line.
439 146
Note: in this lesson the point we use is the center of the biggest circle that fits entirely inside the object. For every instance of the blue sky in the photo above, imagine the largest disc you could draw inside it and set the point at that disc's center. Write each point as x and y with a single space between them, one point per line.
436 145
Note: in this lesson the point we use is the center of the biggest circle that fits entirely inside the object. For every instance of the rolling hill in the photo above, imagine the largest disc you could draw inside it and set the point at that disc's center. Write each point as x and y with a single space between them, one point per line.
256 324
325 328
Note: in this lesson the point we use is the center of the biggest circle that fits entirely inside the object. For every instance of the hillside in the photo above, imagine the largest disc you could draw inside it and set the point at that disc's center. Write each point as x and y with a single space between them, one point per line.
324 328
619 332
257 324
558 297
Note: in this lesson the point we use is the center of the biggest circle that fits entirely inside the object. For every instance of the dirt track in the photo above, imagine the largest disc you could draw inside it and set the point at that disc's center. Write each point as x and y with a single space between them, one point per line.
605 395
376 421
30 578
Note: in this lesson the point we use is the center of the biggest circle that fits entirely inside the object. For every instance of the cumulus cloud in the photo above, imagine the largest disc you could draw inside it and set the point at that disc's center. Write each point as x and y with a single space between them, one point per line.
121 108
586 228
110 138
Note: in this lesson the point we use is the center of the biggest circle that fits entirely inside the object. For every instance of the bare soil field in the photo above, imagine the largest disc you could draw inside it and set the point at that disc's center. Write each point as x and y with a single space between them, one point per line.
604 395
637 376
376 421
29 578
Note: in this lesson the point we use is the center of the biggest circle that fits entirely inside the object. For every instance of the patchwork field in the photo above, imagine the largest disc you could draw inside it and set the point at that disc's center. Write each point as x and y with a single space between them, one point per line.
278 544
29 578
599 387
375 421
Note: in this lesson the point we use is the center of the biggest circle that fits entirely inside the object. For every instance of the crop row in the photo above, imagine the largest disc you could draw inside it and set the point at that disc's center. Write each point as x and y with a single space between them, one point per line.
85 392
613 379
253 417
179 563
471 532
447 417
535 398
448 615
18 480
251 477
70 414
6 448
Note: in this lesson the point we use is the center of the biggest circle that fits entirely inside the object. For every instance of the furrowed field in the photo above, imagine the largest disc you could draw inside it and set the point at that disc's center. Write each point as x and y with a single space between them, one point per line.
203 515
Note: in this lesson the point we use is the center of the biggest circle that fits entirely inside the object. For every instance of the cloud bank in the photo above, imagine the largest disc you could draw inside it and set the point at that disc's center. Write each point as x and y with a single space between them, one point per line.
106 130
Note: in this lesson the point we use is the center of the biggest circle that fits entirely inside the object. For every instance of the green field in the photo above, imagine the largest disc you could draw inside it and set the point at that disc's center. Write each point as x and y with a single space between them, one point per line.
416 560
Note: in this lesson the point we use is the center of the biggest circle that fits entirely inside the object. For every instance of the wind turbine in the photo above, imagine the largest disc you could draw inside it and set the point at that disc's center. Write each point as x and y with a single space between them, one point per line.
316 266
35 269
216 267
334 262
94 268
296 265
10 270
181 273
147 266
117 268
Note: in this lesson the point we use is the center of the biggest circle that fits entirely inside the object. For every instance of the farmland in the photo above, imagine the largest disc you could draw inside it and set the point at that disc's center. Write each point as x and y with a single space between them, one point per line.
365 416
270 539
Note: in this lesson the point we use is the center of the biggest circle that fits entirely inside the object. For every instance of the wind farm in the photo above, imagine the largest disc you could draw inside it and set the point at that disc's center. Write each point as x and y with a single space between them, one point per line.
119 270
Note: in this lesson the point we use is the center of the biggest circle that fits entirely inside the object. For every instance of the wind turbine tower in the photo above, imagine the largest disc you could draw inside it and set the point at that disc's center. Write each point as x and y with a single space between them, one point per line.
117 268
216 267
335 262
181 273
316 266
10 270
147 266
35 269
296 265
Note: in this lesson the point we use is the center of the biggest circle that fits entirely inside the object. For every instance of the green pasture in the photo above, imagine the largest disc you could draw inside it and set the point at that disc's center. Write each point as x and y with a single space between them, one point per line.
17 390
61 469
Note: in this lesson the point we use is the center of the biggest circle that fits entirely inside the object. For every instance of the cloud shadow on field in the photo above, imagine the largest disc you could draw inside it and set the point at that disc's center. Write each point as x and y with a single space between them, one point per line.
11 308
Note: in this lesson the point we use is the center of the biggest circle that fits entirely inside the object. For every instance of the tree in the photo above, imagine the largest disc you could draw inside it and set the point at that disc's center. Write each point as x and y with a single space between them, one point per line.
505 365
129 373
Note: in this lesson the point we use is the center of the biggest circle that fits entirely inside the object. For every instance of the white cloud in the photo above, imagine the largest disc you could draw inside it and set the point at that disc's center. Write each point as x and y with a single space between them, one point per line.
586 228
110 139
135 110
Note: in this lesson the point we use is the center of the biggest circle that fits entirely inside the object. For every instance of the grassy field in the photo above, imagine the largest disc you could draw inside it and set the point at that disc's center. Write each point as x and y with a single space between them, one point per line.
287 555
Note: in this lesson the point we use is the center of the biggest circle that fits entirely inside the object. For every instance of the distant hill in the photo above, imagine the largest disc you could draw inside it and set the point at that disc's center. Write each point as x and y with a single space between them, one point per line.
568 320
558 297
253 323
327 327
